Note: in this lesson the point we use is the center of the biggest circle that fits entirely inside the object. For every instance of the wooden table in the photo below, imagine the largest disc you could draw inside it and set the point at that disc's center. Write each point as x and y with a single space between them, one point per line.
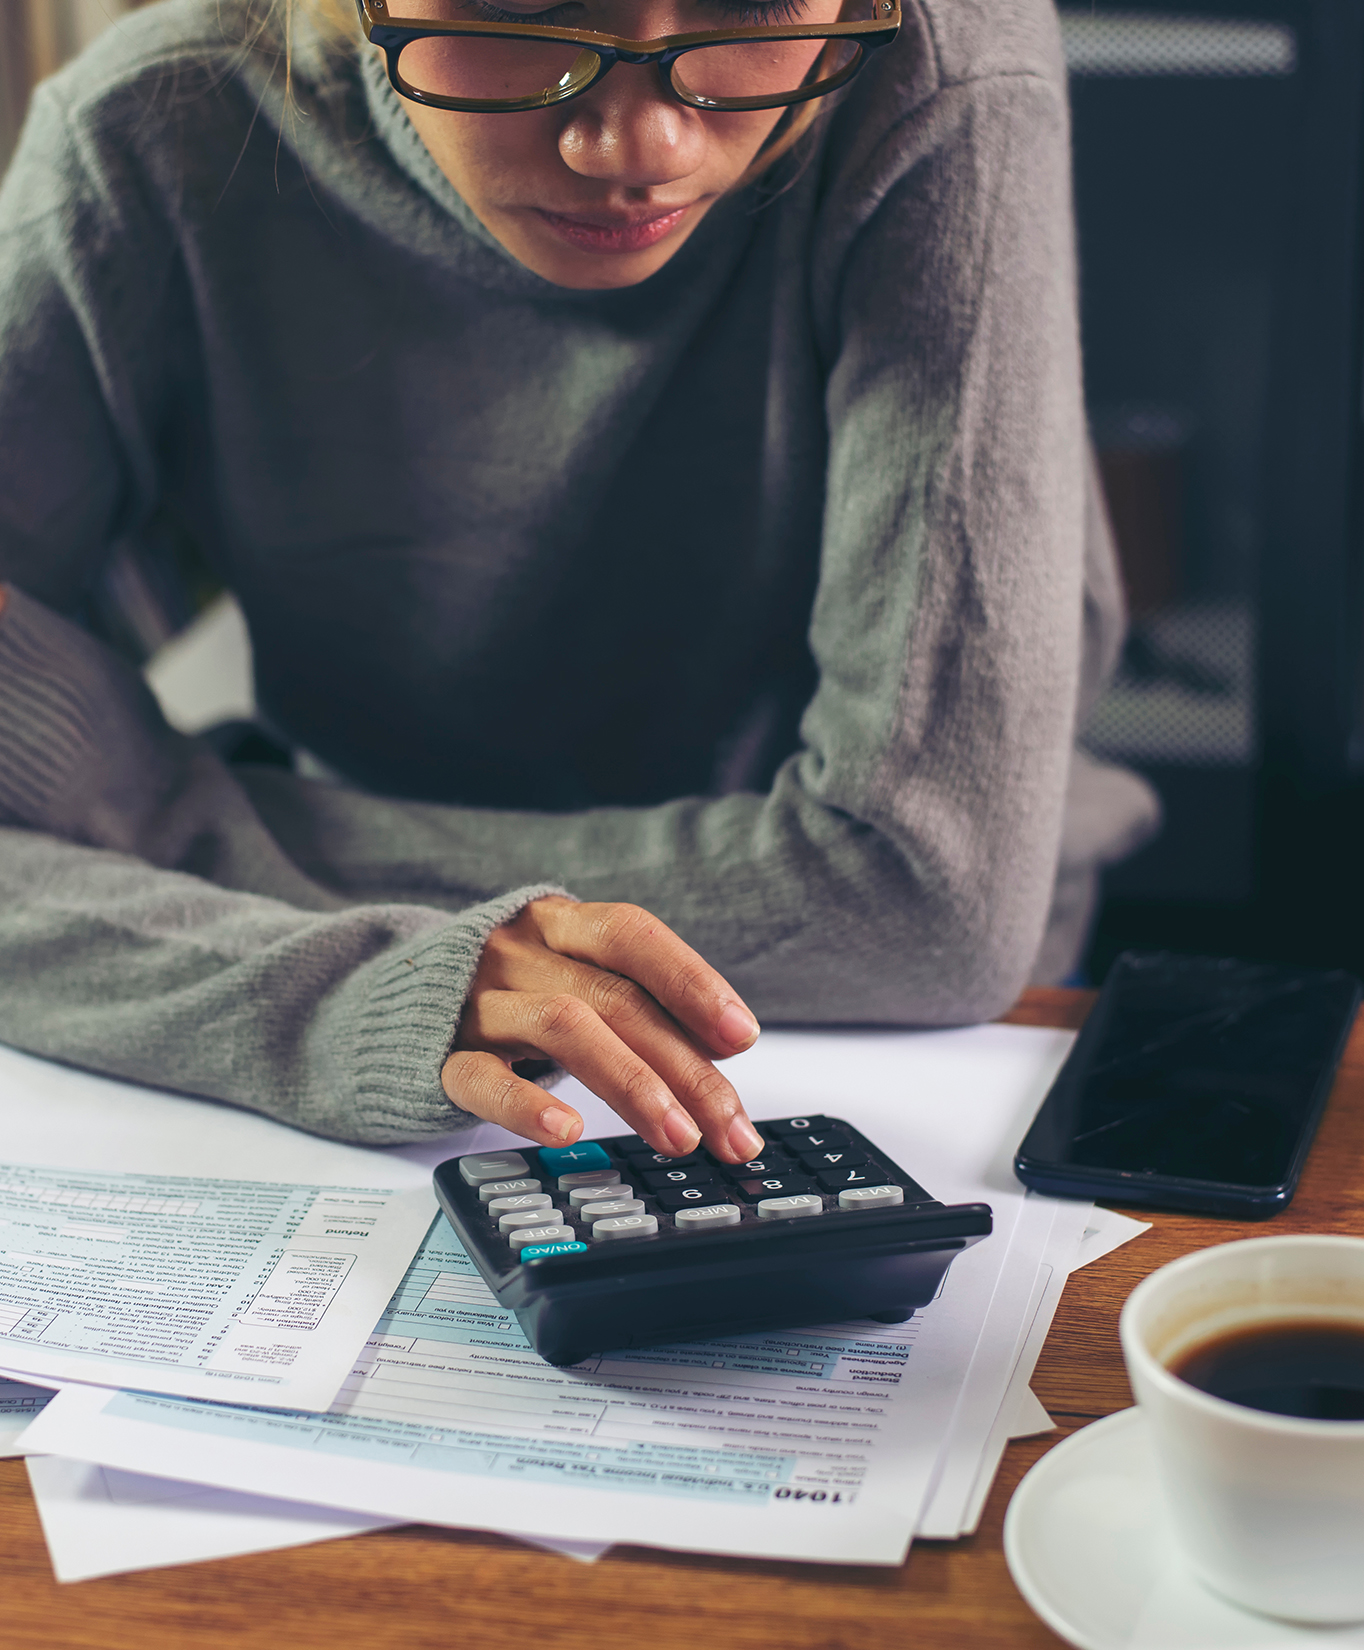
427 1589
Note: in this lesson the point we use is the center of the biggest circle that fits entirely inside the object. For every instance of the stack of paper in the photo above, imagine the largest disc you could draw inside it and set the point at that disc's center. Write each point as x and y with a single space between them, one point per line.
834 1444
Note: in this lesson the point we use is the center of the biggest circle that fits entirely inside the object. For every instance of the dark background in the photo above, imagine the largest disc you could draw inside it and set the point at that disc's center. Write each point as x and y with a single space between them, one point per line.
1217 170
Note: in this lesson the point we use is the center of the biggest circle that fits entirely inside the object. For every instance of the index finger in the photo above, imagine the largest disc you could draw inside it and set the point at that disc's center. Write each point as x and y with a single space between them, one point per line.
631 941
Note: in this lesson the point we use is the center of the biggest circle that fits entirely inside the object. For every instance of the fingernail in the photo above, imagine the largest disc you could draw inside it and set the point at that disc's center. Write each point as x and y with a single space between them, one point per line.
563 1125
683 1135
744 1140
737 1027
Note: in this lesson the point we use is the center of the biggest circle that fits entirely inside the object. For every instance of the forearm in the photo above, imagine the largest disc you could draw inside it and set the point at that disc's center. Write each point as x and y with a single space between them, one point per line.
812 914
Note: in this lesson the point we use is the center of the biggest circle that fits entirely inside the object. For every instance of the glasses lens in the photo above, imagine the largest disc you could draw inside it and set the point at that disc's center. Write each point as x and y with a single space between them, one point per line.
488 69
749 73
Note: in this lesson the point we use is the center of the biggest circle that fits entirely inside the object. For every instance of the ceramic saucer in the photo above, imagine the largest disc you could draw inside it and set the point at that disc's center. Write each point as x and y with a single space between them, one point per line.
1087 1545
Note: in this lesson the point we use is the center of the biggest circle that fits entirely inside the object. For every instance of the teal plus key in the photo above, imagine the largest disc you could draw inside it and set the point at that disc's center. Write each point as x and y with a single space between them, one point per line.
558 1160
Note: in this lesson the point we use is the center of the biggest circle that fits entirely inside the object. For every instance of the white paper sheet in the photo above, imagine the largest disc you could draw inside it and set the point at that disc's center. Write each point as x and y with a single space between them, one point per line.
1106 1231
1053 1228
99 1522
200 1287
1030 1416
949 1107
20 1403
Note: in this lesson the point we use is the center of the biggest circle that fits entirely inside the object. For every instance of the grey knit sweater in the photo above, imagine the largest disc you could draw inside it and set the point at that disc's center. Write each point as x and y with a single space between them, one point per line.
765 594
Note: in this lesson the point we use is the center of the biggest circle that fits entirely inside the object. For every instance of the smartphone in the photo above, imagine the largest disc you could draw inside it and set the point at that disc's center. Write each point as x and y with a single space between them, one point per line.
1196 1083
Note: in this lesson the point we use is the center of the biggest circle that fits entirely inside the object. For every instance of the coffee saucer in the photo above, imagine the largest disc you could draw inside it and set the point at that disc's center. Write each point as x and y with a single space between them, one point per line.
1089 1549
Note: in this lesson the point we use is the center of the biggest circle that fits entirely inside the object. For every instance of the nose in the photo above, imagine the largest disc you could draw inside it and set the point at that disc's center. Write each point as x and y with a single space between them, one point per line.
628 131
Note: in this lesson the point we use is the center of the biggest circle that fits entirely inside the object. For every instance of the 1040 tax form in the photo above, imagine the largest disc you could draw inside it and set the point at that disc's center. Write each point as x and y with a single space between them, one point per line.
194 1286
797 1444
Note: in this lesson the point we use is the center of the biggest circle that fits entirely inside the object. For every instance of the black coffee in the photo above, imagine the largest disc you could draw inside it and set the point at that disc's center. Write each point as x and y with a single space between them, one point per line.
1303 1367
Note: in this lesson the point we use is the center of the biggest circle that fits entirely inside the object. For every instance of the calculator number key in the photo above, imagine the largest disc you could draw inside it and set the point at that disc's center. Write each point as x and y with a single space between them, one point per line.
692 1197
776 1185
790 1208
644 1157
770 1163
624 1226
821 1140
836 1157
666 1180
793 1128
834 1180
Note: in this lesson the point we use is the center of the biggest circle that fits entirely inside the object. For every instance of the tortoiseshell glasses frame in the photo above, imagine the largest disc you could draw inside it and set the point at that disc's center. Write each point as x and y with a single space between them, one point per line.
599 53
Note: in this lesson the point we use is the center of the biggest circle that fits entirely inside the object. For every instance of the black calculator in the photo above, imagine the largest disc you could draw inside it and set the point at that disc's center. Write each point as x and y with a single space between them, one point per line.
609 1244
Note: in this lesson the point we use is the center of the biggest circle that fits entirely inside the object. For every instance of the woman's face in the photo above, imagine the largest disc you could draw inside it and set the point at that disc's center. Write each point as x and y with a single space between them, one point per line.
601 191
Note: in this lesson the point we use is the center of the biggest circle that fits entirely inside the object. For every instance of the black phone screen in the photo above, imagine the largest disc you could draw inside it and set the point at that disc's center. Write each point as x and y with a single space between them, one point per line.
1197 1069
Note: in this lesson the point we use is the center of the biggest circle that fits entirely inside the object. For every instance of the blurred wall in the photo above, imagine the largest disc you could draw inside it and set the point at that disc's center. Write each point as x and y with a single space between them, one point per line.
36 37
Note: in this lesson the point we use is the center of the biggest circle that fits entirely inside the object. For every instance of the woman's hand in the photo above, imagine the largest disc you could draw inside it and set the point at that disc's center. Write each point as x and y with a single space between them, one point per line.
617 999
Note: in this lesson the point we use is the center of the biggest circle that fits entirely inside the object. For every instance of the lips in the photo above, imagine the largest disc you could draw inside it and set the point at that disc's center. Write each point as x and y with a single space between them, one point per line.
618 232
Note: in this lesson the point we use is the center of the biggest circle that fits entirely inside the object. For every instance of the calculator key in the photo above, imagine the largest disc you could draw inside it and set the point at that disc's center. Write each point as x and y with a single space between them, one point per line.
790 1208
537 1251
663 1180
596 1194
795 1126
865 1174
771 1163
776 1185
710 1219
505 1188
624 1226
499 1206
818 1141
589 1177
647 1158
590 1213
693 1197
515 1218
556 1233
561 1160
492 1166
871 1197
836 1157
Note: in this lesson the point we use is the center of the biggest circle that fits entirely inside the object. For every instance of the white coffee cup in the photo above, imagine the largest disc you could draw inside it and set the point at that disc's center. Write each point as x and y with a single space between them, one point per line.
1268 1509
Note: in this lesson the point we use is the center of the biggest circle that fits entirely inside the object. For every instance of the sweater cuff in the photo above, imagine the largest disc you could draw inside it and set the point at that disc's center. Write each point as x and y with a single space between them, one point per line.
404 1027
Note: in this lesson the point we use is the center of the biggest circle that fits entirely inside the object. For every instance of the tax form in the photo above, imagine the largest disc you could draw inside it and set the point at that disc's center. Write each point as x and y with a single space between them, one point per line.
196 1286
809 1444
19 1404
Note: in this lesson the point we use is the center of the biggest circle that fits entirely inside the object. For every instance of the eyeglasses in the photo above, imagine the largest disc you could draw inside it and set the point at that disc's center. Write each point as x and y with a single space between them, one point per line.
502 67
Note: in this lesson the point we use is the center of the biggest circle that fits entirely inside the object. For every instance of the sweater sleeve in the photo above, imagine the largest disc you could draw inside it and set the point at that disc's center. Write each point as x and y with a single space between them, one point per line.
151 928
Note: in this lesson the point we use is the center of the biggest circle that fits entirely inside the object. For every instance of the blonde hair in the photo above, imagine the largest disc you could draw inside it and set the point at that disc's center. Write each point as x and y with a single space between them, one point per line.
339 17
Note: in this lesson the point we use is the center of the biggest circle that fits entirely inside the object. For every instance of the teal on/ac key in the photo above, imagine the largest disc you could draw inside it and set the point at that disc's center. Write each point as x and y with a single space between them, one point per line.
557 1160
533 1251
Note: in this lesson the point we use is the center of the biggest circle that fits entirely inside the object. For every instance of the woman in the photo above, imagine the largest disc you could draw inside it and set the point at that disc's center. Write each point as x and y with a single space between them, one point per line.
668 519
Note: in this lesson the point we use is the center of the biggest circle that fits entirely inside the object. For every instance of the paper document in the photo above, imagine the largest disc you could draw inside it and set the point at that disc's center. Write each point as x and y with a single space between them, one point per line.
791 1445
19 1405
195 1286
739 1445
99 1522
